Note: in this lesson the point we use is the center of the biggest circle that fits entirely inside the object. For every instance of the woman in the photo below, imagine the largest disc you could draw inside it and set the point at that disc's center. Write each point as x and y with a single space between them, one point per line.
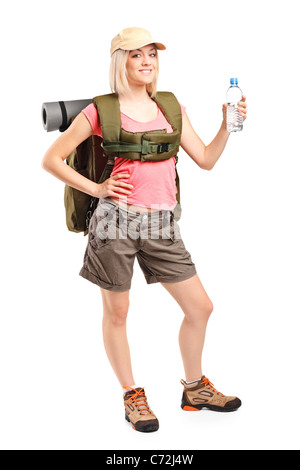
135 192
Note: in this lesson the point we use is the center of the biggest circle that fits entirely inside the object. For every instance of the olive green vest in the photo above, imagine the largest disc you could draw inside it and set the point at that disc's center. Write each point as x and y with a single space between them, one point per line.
94 158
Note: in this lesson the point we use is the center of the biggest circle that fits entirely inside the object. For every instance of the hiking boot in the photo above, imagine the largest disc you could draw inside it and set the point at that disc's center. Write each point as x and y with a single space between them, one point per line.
201 394
137 411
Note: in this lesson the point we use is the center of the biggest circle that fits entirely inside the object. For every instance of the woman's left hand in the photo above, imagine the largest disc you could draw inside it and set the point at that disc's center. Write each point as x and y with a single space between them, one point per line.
242 107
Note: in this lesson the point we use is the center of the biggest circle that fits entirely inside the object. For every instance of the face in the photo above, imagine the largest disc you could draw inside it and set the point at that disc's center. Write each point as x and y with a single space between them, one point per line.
142 65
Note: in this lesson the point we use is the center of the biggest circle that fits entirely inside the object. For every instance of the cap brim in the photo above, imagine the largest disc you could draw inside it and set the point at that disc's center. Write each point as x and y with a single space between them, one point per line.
159 45
137 45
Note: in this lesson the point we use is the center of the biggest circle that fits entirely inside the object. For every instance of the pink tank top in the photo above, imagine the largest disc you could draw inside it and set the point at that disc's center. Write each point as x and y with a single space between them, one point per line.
154 183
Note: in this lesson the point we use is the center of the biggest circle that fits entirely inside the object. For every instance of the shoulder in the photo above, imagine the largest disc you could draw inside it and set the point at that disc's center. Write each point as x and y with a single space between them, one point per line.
170 100
183 109
91 114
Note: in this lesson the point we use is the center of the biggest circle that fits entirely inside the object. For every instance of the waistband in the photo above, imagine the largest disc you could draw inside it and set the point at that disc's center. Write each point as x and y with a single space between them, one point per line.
150 214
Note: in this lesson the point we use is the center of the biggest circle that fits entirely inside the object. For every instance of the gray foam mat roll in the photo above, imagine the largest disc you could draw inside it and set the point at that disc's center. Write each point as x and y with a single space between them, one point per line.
57 115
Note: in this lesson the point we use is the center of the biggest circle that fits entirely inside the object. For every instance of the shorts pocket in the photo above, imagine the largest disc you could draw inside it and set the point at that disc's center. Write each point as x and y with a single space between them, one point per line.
102 230
171 231
97 242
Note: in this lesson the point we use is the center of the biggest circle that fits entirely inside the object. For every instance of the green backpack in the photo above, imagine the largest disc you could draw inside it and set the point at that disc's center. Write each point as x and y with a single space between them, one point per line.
94 157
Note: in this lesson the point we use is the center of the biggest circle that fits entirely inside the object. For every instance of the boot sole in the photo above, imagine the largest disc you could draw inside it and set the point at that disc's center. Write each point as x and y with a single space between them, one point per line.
221 409
151 426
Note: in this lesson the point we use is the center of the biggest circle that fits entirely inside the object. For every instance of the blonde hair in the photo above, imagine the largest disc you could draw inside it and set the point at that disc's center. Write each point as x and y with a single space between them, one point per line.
118 74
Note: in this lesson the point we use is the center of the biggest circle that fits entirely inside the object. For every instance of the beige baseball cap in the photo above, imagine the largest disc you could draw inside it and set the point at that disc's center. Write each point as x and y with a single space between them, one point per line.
133 38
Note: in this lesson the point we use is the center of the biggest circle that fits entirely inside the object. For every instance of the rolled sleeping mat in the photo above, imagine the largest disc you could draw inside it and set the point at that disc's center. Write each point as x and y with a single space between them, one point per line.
57 115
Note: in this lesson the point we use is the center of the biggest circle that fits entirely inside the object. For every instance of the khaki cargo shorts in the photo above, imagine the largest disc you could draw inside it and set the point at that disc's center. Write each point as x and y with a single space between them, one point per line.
117 235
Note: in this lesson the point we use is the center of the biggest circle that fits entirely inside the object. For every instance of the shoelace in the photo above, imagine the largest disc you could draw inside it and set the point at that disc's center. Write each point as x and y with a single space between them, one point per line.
135 398
207 383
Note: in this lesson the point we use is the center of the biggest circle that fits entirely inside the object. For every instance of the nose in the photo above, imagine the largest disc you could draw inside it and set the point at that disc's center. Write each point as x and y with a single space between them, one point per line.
146 60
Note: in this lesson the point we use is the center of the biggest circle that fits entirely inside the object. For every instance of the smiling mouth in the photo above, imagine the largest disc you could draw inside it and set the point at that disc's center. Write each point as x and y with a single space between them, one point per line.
145 71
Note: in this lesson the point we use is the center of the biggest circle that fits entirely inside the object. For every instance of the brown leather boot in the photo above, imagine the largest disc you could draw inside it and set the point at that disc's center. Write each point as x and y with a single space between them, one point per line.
137 411
201 394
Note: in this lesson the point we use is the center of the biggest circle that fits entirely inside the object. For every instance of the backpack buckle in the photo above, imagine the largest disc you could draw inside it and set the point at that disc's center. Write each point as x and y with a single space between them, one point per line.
161 148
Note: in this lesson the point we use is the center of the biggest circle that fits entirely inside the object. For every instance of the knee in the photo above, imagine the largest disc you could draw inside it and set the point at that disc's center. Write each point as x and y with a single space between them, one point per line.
206 309
117 315
201 312
209 308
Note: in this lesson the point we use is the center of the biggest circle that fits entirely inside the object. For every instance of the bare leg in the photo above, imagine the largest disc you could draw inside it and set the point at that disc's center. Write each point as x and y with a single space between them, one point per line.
197 307
115 309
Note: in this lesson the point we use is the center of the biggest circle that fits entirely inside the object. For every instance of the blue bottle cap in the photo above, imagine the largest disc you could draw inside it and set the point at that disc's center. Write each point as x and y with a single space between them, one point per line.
233 81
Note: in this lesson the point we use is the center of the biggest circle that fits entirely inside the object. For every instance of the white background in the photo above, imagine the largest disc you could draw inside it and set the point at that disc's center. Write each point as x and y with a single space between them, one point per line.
240 223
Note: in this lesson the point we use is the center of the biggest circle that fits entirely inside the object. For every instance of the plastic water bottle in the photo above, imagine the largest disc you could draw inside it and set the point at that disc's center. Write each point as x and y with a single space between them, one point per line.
234 119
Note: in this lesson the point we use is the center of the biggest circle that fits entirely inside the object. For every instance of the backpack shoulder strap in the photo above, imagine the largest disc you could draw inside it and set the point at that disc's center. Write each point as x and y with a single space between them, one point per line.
108 108
170 106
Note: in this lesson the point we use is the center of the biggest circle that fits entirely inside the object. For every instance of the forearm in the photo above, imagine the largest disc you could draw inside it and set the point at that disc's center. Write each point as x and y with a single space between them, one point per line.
214 150
69 176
